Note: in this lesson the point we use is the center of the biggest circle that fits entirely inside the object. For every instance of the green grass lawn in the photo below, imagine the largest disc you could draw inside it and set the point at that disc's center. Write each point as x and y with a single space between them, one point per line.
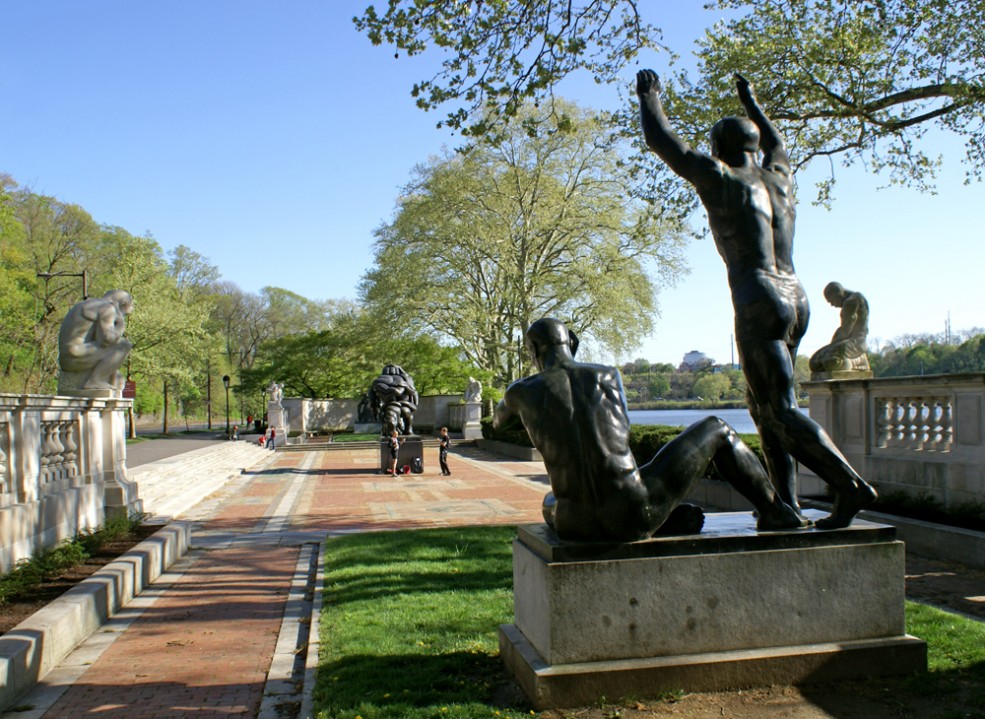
410 618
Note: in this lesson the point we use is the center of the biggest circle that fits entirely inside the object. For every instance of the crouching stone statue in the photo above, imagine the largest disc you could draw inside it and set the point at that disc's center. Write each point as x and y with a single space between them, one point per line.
91 345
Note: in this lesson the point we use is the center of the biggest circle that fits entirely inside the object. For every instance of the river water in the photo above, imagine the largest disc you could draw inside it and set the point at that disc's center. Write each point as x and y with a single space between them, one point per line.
738 418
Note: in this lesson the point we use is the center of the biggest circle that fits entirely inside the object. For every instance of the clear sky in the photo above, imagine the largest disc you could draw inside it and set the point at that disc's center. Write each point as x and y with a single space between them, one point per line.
273 138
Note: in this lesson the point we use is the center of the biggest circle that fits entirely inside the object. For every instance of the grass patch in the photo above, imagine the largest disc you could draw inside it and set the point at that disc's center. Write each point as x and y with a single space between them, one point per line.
409 627
353 437
48 563
409 630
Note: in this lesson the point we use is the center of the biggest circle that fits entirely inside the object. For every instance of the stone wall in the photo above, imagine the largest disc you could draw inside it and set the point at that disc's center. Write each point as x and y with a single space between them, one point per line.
339 415
62 469
924 436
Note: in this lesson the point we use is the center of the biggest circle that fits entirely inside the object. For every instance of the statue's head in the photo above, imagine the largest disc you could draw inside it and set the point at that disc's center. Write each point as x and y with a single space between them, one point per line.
546 334
835 293
121 299
734 134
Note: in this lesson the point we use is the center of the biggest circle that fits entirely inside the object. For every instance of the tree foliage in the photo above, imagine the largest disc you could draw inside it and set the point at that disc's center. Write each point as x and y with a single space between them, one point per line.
501 53
930 354
538 223
859 80
343 359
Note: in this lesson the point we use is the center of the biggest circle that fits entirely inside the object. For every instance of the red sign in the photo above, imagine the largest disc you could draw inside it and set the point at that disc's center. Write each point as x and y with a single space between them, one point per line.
129 389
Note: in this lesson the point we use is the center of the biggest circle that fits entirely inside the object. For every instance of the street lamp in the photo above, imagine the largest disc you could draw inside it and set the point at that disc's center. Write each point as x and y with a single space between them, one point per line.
225 383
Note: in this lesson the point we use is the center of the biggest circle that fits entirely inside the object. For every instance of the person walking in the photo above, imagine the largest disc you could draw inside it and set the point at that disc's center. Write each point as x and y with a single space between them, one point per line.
444 442
271 436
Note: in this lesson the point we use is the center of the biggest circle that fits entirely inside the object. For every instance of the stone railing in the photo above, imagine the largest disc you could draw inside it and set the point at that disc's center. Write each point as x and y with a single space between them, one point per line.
921 435
62 468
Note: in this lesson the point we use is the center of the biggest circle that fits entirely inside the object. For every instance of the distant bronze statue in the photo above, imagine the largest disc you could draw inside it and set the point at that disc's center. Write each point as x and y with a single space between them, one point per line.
393 400
750 209
575 414
848 347
91 345
364 412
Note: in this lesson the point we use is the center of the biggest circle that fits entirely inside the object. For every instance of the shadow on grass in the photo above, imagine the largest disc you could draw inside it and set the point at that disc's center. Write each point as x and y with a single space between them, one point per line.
397 685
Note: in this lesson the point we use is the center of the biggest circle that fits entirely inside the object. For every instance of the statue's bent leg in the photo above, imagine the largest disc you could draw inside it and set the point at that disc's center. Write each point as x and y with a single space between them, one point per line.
800 436
683 461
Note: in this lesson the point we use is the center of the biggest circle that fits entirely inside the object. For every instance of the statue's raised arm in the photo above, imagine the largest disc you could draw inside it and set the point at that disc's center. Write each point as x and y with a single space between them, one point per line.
770 140
693 166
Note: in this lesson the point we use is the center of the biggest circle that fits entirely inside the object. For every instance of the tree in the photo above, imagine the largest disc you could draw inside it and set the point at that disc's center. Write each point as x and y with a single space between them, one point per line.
171 308
502 53
342 360
16 294
711 386
61 239
859 79
537 223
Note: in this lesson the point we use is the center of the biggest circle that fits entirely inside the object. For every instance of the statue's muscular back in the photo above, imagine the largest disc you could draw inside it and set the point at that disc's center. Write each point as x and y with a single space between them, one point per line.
751 215
582 430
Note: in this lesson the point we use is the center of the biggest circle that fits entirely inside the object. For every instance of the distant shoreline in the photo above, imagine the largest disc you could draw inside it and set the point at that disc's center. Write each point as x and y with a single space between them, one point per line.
694 404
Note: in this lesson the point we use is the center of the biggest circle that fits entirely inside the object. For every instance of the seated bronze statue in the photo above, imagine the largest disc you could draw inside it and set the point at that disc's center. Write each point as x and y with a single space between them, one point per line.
575 414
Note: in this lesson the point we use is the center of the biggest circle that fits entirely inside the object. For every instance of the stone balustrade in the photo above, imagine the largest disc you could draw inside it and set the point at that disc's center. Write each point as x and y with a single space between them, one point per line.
924 436
62 469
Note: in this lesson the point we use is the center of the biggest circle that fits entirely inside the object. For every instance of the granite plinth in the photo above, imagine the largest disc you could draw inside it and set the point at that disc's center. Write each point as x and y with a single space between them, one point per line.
727 608
412 447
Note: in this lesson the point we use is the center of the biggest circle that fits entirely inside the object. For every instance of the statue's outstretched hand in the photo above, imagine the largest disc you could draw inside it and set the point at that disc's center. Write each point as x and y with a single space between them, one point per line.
744 88
647 82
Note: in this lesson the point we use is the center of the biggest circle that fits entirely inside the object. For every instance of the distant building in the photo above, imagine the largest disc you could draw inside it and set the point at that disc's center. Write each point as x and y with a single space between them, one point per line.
694 360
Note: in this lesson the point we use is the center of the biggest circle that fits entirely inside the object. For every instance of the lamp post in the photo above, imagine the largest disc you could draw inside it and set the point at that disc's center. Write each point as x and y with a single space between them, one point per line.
225 383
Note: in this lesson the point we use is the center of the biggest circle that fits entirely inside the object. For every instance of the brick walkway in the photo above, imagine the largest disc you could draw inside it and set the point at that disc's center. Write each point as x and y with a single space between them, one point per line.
203 645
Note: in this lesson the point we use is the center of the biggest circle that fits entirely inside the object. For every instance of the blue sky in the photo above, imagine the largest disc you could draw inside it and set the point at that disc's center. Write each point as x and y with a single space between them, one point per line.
273 139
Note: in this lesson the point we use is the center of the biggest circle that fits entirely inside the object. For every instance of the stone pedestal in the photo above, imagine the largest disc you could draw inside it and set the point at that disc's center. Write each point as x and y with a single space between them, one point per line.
471 429
412 447
729 608
277 418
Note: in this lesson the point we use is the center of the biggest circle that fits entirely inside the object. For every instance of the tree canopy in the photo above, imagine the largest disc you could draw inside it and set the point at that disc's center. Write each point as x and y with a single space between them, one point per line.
863 80
859 80
538 223
501 53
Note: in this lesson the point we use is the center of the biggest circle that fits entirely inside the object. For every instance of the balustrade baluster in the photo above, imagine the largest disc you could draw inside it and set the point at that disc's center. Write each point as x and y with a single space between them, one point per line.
885 421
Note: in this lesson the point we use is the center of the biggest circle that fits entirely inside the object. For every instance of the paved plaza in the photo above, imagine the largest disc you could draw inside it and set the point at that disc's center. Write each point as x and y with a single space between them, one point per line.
202 641
216 635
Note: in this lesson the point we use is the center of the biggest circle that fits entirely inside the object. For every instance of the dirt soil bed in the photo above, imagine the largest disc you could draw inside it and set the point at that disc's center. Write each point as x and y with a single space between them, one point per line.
16 611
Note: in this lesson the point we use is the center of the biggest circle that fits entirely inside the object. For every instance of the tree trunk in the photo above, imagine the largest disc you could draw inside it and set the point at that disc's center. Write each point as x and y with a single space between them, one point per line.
165 413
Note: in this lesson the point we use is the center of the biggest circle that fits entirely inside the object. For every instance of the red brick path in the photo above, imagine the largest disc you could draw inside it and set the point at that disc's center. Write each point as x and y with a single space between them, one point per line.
204 647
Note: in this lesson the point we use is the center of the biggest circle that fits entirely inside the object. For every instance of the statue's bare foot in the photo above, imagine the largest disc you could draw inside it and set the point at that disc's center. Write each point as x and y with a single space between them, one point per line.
847 505
781 516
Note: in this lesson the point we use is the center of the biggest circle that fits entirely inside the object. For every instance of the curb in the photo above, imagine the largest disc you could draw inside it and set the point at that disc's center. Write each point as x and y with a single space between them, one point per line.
40 643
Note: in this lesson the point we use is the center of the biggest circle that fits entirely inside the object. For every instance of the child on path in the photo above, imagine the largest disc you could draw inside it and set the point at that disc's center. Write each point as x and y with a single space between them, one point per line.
394 444
444 442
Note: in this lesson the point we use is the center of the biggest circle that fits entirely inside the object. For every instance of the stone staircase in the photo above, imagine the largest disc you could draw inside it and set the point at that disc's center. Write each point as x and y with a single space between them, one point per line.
169 487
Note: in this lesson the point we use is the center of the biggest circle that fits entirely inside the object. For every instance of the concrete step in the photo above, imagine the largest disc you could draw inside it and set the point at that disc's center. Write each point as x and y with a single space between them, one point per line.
171 486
